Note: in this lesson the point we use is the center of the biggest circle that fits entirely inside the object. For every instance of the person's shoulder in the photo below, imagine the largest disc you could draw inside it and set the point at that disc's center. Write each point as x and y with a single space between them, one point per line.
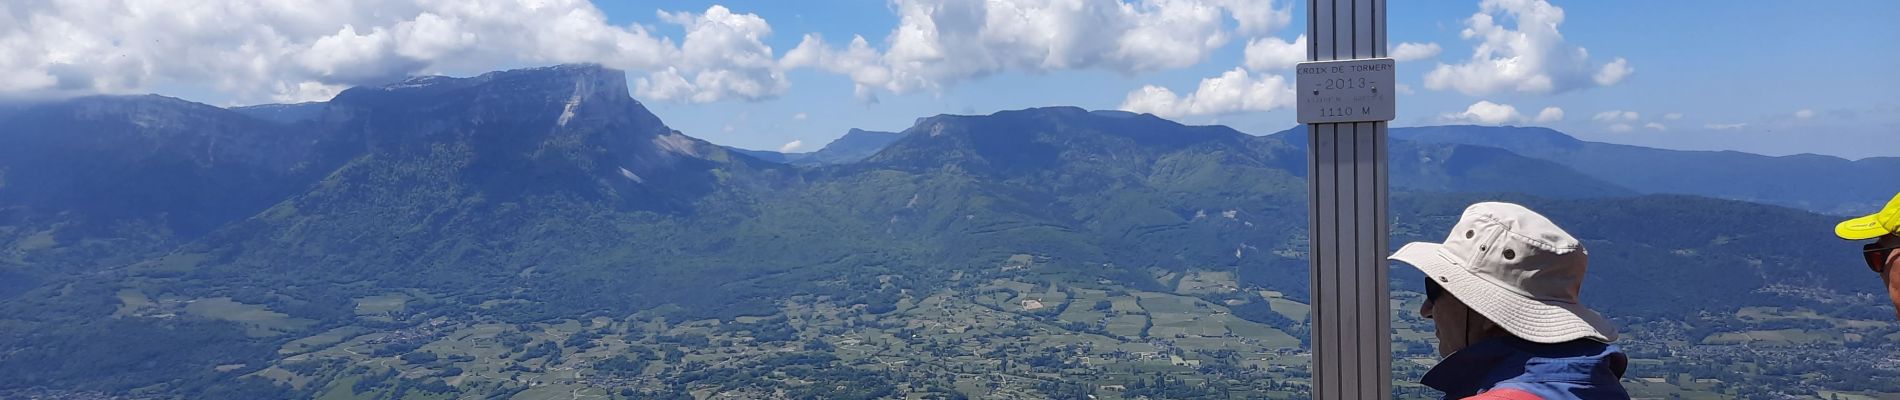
1505 394
1573 348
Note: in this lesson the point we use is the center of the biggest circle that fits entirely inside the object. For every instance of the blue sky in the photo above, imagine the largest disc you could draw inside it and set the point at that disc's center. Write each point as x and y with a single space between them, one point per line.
1716 63
1759 76
1754 63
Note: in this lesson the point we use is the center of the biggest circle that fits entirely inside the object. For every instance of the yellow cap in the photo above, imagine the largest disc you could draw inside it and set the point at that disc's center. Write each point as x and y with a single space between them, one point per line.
1885 222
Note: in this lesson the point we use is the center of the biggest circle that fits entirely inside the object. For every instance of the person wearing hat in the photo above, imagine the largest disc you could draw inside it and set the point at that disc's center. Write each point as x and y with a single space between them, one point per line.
1884 252
1502 291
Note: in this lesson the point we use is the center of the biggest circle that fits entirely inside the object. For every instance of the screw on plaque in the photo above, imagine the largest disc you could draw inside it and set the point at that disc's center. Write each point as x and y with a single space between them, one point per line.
1375 90
1316 93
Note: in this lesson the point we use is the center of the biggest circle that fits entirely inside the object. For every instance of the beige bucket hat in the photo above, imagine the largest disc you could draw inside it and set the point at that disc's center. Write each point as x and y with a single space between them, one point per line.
1516 268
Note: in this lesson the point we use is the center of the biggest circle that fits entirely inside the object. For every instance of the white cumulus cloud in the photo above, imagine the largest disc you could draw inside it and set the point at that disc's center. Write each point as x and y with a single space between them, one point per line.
1485 112
725 56
1672 116
1656 126
1549 114
257 51
1725 126
1231 92
1616 115
1612 72
791 146
1804 113
858 61
1258 17
1527 56
942 42
1409 51
1272 53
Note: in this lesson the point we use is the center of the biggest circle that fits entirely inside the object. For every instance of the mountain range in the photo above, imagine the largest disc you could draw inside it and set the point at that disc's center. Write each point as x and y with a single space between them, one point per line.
1823 184
550 193
1818 183
855 145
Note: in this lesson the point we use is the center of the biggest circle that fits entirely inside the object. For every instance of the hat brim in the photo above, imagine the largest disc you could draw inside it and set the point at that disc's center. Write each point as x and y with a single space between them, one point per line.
1540 321
1863 228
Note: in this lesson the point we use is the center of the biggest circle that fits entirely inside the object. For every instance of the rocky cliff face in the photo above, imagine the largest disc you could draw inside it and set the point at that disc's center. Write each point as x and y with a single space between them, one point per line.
563 128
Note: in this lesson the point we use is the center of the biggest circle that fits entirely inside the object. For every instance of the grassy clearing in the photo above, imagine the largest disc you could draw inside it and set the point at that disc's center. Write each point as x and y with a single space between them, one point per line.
381 304
131 301
1128 325
1157 303
1083 308
1643 389
1198 282
1080 312
1778 337
37 241
1286 307
1293 310
257 320
1765 314
1268 336
1776 313
340 390
1414 334
320 341
1049 297
1126 305
282 376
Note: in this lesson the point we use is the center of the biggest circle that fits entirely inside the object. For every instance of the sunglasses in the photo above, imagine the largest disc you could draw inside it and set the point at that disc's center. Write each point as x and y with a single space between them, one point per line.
1876 256
1433 291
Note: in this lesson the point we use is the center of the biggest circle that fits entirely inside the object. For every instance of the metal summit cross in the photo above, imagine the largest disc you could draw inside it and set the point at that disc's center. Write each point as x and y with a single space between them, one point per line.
1346 94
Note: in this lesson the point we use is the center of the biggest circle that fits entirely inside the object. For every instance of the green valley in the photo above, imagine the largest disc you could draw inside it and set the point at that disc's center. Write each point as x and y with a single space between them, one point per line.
538 234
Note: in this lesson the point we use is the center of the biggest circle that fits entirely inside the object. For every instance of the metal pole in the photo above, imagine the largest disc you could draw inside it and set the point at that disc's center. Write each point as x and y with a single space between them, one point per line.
1352 344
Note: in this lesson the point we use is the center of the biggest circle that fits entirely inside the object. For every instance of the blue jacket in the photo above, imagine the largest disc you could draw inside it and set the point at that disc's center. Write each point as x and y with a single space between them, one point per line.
1581 369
